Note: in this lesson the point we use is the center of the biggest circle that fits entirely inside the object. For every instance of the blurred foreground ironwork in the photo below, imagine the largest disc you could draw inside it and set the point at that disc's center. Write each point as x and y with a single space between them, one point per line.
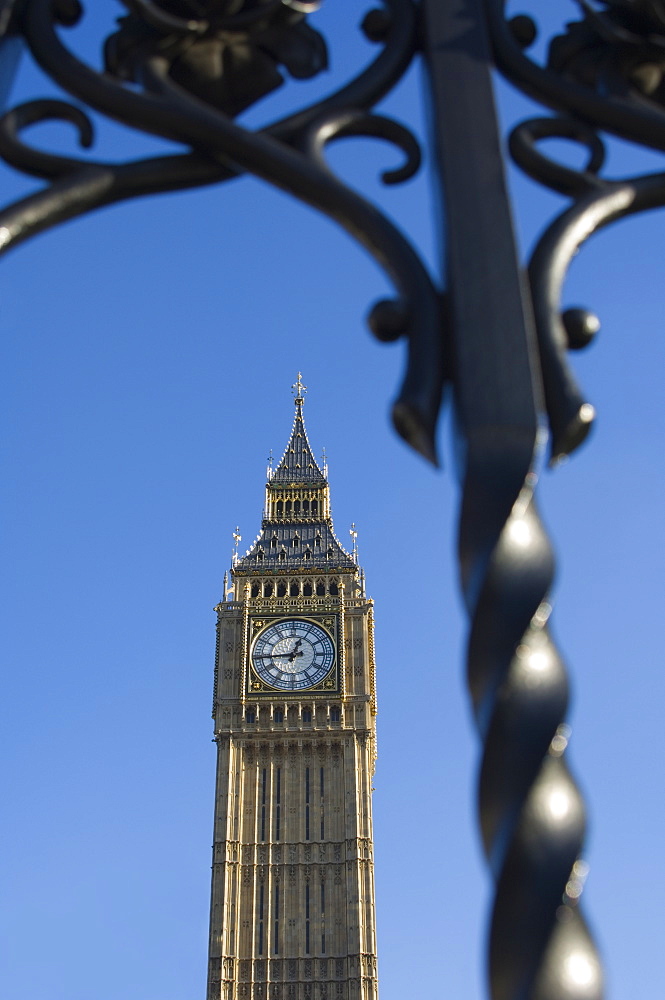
487 326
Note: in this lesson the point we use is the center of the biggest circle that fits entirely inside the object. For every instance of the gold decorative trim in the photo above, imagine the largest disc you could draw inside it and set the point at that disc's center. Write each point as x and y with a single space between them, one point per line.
372 661
244 651
342 653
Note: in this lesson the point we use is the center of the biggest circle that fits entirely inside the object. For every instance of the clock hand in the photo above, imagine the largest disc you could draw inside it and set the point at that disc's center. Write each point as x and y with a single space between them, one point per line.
295 651
290 656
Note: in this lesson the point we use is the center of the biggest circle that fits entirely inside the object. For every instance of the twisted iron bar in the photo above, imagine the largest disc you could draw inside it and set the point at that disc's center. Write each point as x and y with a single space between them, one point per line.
531 813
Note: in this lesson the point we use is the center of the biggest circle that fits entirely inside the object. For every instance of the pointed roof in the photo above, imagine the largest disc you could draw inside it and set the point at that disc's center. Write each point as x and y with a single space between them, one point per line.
297 464
296 540
318 550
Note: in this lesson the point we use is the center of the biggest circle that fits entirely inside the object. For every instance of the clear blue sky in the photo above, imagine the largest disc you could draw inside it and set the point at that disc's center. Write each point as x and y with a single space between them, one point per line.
148 353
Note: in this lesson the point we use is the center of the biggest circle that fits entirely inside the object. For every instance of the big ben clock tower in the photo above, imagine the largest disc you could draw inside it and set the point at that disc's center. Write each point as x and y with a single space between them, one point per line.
292 909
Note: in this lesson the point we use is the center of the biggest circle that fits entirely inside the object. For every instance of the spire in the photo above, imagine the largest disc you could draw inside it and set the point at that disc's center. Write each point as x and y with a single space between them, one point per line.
297 464
297 534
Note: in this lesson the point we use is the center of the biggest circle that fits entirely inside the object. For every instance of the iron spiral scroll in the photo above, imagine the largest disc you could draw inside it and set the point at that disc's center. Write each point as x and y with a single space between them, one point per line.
157 81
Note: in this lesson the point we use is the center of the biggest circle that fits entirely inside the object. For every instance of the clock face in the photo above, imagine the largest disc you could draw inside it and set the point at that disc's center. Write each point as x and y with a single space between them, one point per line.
292 654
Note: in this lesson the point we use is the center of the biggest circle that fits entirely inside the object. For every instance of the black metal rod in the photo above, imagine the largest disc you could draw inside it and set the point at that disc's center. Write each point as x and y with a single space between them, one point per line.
539 946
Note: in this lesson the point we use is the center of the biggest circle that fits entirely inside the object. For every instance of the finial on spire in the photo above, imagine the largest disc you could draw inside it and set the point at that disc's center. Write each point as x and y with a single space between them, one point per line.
299 390
269 472
237 537
354 535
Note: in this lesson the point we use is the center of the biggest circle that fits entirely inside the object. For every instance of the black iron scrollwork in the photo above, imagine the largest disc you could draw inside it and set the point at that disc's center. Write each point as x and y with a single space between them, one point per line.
597 203
186 73
570 83
186 79
604 73
617 48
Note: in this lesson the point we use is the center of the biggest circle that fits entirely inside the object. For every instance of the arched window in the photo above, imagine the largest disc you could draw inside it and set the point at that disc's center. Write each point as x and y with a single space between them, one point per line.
273 540
259 555
296 541
282 555
288 508
305 506
294 589
314 508
296 507
255 589
333 589
308 553
278 715
280 508
306 715
250 715
307 589
281 588
320 588
317 542
268 590
330 553
335 715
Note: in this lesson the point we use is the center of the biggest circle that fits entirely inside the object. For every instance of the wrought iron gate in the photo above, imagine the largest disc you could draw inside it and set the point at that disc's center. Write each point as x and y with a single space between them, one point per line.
487 328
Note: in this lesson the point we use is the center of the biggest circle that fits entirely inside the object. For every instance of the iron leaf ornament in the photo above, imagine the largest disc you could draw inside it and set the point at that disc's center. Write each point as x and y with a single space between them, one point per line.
229 53
619 46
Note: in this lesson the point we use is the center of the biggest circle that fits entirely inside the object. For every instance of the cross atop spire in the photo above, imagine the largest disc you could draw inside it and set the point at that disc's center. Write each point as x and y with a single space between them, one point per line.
299 390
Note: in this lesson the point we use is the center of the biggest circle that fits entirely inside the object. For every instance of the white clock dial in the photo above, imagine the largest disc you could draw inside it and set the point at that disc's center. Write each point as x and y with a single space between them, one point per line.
292 654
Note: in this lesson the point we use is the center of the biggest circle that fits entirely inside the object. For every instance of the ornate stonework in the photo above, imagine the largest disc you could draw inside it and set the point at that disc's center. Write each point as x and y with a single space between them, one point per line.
292 909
